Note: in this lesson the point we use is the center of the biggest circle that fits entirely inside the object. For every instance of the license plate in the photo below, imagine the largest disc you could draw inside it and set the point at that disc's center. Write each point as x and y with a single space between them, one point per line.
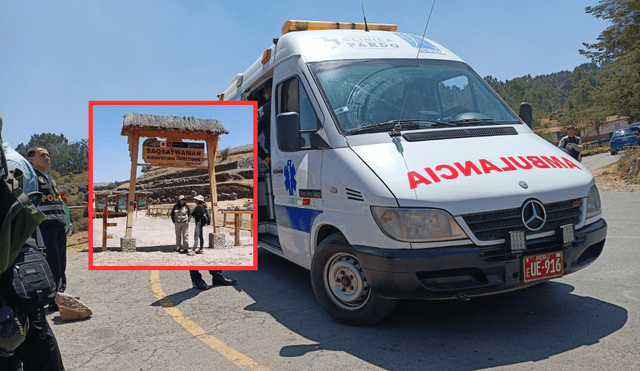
543 266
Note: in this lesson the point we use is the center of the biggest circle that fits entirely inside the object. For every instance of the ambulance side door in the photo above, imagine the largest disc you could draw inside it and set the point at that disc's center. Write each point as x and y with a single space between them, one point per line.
297 174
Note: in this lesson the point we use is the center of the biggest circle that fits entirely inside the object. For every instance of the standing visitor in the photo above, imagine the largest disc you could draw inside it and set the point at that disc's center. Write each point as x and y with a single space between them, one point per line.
202 218
180 215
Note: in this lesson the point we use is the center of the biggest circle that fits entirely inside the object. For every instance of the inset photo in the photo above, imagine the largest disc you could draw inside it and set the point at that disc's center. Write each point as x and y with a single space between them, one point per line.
173 185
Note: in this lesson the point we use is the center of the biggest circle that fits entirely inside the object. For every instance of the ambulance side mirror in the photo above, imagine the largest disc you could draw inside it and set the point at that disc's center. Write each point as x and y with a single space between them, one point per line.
526 113
288 131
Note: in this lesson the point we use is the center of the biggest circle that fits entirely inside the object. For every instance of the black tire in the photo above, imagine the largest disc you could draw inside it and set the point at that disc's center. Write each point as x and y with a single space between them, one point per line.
356 304
613 152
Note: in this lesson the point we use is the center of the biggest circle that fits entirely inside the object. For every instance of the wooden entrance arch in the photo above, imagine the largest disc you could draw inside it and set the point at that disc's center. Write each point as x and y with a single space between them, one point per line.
174 130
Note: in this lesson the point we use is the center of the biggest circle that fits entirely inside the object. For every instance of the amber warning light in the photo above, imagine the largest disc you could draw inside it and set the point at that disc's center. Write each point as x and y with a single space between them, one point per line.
317 25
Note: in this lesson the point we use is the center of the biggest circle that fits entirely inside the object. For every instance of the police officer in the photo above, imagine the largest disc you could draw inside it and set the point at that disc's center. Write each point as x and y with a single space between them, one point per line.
218 279
571 143
53 227
38 349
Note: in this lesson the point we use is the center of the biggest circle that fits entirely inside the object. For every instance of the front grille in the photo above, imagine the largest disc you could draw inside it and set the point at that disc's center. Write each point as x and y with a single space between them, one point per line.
496 225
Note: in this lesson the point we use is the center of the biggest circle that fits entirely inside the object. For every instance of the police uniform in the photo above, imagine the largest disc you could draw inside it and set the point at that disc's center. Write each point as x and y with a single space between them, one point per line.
566 140
53 228
39 351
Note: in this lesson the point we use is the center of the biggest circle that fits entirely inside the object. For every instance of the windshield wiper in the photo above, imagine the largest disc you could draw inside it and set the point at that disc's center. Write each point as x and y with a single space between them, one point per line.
397 125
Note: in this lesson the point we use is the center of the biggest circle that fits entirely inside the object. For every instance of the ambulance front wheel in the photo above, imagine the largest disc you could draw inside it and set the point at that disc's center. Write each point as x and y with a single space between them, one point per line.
341 287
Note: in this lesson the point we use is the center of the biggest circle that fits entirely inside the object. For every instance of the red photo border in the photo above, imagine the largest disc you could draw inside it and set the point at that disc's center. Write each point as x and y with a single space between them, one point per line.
175 103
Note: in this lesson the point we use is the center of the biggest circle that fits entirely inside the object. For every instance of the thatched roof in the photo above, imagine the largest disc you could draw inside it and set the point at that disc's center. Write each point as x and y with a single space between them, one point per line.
135 122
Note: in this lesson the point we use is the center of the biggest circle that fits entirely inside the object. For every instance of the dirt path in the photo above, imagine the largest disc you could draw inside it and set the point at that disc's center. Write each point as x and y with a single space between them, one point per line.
604 167
155 244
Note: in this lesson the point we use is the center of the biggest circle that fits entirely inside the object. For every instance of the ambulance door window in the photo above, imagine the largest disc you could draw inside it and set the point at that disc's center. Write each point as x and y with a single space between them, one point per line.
288 96
292 97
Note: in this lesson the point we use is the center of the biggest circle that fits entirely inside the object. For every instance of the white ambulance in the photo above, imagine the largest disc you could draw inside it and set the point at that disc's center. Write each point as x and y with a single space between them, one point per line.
396 172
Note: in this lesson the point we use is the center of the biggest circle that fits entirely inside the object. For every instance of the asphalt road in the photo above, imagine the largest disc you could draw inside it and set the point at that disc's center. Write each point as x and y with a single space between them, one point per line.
271 320
599 160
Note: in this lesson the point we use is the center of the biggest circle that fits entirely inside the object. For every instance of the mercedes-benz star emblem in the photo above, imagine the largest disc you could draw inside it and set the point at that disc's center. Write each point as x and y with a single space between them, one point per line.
533 215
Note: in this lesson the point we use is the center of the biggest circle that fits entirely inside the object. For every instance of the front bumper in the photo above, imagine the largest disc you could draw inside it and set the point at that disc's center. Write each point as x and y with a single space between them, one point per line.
450 272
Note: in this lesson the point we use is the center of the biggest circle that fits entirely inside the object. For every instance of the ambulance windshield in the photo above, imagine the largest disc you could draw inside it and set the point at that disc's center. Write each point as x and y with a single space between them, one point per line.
369 92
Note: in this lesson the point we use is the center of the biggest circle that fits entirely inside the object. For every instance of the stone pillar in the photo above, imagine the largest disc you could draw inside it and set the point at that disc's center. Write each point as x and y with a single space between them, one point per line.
217 241
128 244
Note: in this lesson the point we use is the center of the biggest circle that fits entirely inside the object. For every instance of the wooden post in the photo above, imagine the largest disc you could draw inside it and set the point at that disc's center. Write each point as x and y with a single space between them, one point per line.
212 147
237 226
105 213
133 150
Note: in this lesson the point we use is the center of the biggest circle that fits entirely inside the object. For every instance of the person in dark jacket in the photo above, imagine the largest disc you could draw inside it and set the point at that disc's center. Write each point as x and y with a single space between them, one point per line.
218 279
264 128
571 143
202 218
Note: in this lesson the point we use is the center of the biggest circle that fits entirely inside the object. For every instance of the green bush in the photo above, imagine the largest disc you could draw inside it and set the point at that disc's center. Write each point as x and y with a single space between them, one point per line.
80 223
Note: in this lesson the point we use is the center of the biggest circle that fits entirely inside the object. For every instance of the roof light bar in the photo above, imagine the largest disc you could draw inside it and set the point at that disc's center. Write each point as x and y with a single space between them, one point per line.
292 25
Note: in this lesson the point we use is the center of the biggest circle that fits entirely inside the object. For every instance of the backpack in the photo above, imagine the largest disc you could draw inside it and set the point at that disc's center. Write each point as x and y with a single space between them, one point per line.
19 216
33 280
206 219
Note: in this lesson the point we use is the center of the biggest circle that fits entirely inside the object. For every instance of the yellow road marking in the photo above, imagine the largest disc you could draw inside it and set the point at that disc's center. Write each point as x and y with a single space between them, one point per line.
194 329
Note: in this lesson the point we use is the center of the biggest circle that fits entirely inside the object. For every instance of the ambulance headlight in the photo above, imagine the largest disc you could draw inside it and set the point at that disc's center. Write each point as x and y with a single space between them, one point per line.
417 225
594 206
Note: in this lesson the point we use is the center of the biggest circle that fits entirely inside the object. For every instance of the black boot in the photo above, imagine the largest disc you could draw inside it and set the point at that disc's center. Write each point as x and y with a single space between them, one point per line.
200 285
220 279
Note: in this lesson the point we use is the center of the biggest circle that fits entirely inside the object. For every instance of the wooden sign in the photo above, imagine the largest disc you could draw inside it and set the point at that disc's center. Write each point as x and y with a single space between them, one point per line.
156 152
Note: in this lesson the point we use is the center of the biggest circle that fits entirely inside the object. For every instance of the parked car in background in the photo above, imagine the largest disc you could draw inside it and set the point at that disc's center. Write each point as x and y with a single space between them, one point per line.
623 138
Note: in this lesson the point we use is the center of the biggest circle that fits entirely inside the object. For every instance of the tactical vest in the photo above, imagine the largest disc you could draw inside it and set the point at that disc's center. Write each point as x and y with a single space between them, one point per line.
51 202
572 152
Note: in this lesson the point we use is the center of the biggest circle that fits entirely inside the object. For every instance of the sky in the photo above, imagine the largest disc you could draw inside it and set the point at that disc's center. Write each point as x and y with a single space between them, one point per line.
55 56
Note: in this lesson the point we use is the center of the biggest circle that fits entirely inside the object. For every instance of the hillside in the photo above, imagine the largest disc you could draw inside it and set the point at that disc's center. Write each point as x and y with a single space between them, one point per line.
234 178
74 187
548 93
